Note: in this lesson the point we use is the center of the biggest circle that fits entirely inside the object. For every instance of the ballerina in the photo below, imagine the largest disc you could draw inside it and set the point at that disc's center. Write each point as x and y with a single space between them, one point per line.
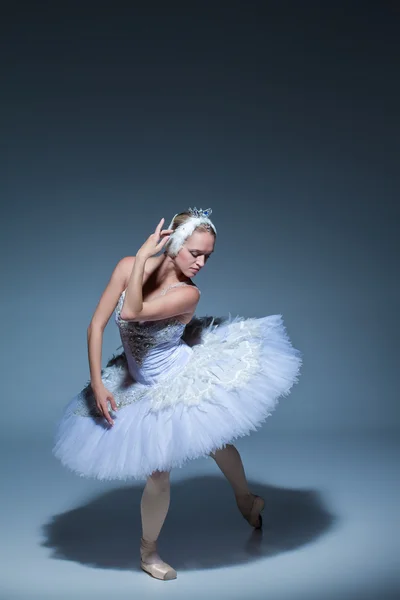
183 387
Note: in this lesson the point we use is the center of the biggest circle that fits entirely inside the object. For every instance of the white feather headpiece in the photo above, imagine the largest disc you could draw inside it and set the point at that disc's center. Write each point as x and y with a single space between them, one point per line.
182 232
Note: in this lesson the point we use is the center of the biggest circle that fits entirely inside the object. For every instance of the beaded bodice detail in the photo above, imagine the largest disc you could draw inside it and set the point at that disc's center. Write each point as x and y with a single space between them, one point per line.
140 338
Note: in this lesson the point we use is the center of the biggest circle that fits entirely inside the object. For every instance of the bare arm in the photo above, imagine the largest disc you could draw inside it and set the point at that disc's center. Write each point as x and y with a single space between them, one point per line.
94 344
133 301
178 301
101 316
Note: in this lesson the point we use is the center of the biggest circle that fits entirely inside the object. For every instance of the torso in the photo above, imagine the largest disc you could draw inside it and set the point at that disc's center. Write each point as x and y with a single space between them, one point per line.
149 292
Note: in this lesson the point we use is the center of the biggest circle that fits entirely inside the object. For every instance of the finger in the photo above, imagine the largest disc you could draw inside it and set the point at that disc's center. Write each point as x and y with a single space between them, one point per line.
113 403
162 243
167 233
107 416
162 239
158 228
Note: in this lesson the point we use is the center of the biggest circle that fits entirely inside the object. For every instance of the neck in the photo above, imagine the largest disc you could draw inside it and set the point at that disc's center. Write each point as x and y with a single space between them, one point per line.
167 272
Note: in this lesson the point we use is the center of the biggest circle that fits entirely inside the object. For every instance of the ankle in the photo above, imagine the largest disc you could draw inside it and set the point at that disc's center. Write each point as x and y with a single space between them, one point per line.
147 546
243 495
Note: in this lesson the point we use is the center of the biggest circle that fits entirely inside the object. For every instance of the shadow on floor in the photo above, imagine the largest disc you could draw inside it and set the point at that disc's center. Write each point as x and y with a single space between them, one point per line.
203 528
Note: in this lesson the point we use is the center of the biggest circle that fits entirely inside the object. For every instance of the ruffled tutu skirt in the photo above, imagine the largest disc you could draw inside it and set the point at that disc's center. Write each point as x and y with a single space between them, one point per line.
237 369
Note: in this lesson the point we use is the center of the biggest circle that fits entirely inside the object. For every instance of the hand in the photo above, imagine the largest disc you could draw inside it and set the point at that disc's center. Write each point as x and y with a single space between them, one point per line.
152 245
102 396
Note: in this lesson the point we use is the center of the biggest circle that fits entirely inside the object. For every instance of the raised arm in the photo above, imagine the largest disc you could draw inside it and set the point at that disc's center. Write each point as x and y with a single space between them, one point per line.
133 301
178 301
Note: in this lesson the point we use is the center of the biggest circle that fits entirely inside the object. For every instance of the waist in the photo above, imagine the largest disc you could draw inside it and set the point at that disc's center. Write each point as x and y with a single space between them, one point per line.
160 363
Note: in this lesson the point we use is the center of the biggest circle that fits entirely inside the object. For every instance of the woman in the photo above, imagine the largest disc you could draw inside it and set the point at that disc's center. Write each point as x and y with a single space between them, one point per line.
178 391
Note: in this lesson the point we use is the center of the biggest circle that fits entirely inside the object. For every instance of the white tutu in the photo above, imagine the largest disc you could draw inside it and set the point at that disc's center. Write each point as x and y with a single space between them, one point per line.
233 373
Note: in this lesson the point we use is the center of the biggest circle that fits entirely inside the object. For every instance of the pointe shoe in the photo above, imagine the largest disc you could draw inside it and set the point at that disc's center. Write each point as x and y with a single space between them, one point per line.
251 506
157 568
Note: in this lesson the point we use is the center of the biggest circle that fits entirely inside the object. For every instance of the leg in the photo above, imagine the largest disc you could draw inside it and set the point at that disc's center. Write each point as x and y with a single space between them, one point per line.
229 461
155 504
154 508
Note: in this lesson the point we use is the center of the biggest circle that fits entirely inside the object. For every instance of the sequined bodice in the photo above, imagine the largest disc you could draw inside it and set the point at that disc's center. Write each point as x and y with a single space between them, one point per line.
152 348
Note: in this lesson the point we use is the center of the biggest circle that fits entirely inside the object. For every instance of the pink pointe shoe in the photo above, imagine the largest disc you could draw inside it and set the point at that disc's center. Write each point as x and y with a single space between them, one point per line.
251 506
152 563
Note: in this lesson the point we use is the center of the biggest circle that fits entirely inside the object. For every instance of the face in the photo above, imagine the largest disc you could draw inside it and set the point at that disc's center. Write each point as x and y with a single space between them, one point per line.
195 252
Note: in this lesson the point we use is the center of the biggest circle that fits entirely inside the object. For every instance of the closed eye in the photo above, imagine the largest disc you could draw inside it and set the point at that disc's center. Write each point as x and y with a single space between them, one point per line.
196 255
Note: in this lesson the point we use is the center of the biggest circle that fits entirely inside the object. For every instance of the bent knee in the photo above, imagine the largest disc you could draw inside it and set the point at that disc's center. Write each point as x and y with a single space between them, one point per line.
160 479
220 450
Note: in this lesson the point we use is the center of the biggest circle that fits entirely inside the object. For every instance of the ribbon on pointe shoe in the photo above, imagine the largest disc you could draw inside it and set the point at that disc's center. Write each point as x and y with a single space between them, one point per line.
156 567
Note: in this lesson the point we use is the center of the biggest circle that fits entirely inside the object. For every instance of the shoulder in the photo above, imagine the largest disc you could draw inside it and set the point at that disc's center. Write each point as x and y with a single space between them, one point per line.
125 263
194 290
194 287
189 291
185 291
125 266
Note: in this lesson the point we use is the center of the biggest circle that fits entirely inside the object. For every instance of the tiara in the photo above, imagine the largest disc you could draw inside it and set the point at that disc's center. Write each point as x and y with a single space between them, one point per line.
199 212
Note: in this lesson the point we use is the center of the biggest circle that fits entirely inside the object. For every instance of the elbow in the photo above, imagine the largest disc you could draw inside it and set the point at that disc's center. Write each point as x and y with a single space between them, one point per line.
94 326
126 315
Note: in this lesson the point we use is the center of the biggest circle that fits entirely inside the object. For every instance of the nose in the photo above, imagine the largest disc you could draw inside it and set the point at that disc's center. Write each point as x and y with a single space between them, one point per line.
200 261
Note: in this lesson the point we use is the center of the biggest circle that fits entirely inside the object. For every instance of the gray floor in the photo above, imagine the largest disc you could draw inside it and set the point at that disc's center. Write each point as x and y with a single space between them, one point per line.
330 525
